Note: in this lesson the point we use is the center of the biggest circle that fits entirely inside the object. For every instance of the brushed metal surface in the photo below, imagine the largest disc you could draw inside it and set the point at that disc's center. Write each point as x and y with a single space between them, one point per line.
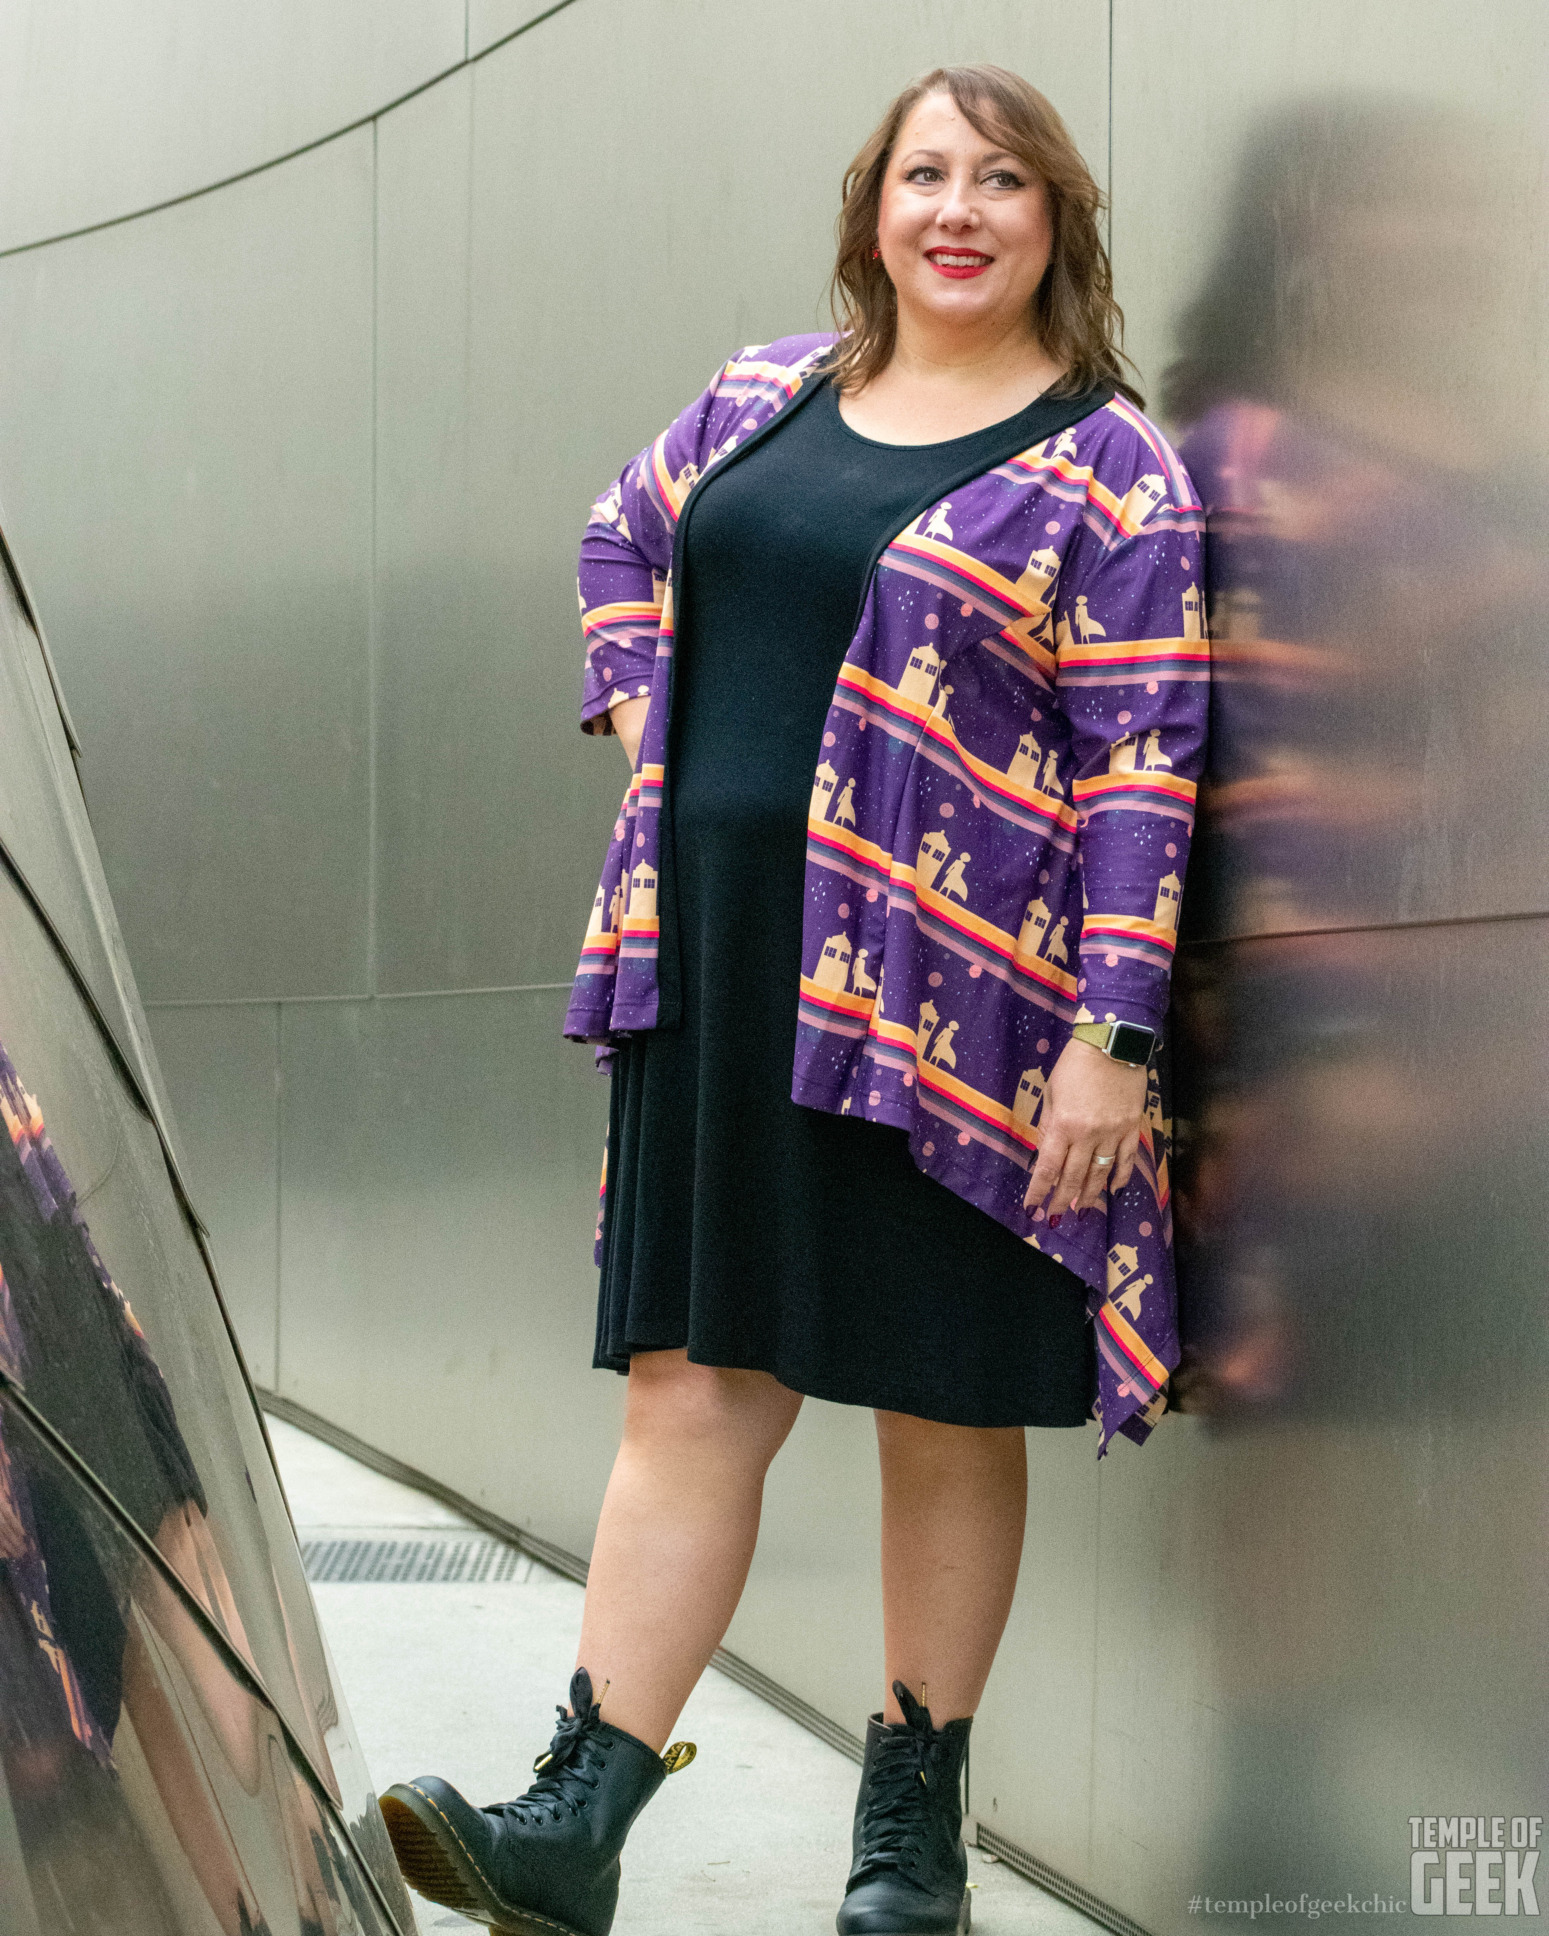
222 1069
1349 332
1031 1773
440 1160
113 1331
73 1344
187 471
1343 1630
811 1616
45 832
150 1784
110 107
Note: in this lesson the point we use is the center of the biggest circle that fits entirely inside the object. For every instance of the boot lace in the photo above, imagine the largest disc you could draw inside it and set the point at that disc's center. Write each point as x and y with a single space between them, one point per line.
895 1820
567 1773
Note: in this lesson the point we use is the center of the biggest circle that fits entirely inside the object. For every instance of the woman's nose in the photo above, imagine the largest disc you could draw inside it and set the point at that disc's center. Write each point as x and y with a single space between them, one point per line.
958 210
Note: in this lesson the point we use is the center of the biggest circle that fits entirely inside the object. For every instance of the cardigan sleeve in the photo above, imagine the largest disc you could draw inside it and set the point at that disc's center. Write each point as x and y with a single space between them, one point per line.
626 556
1132 672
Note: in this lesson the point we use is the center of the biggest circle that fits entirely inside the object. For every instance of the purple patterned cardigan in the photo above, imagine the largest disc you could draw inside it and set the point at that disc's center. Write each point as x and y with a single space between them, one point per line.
1000 818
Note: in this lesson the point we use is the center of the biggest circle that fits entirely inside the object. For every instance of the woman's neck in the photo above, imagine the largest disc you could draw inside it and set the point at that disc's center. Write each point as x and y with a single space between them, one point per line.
942 382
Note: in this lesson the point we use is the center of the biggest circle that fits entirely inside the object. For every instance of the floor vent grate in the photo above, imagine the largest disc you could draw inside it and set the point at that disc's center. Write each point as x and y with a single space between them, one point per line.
413 1561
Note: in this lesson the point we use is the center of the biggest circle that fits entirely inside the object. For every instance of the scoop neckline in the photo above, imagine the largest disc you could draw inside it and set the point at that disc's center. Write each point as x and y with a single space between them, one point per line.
999 429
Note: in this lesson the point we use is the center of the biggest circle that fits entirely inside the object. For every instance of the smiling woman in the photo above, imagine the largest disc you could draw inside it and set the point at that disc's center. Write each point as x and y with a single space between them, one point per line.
899 628
1021 197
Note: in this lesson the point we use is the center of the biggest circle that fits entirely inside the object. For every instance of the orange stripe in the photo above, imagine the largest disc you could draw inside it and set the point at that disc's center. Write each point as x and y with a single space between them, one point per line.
1130 924
835 1000
931 1076
993 780
883 694
598 615
1134 651
1130 1342
878 858
1137 783
973 569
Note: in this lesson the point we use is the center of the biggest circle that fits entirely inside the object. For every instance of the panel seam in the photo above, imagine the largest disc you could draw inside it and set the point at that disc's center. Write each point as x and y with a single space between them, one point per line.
386 995
292 154
371 590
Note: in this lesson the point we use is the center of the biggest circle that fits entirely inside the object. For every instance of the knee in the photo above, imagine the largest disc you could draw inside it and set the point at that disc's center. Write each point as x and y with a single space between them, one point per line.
706 1410
924 1443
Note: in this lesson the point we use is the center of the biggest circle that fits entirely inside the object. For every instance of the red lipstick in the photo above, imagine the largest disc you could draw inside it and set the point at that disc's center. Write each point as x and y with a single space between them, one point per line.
958 263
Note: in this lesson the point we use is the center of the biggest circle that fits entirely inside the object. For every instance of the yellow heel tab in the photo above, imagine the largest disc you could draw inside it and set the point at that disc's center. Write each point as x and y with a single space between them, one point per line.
679 1755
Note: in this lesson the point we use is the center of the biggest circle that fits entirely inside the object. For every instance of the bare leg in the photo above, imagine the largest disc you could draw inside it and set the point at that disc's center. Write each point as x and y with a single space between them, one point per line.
676 1535
954 1508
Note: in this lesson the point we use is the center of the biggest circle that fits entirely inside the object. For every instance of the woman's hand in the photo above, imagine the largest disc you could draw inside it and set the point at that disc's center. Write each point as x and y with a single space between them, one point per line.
1094 1107
628 718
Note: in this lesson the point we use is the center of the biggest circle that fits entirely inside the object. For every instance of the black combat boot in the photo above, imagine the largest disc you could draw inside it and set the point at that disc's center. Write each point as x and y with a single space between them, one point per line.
909 1876
546 1864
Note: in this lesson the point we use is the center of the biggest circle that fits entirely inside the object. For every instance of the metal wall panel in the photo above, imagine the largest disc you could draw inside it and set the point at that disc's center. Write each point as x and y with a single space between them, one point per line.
165 1795
446 841
440 1160
811 1615
222 1067
1031 1761
598 300
187 466
44 832
81 1384
115 1336
1336 1584
1353 314
116 105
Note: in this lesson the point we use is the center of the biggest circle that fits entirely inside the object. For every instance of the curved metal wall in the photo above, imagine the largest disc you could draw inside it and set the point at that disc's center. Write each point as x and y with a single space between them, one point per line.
111 108
174 1752
300 465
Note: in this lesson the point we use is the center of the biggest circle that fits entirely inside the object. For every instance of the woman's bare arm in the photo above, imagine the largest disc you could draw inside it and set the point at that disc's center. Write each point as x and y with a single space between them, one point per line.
628 718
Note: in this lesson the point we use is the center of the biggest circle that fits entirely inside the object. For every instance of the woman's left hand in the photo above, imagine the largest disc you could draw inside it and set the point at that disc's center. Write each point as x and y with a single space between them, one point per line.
1094 1107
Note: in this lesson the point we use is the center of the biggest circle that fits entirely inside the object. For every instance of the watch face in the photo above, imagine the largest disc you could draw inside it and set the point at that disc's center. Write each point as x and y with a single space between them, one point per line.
1130 1043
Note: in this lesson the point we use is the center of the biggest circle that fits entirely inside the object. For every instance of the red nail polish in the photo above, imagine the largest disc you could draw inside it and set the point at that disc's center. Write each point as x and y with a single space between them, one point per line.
1054 1222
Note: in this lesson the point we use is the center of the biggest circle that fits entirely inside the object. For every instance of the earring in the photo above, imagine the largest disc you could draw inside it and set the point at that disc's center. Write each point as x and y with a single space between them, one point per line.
876 253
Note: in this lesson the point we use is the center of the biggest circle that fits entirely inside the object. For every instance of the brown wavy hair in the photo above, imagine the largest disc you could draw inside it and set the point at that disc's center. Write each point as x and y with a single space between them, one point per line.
1073 310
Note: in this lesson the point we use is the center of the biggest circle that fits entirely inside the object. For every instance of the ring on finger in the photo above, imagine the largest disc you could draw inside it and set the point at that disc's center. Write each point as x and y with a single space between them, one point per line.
1102 1162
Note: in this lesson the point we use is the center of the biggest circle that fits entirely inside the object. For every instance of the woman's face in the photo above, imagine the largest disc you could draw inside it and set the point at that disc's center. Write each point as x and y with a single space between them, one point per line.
964 227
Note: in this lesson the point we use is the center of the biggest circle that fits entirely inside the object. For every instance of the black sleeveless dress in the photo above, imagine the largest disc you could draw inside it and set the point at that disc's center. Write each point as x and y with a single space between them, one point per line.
758 1233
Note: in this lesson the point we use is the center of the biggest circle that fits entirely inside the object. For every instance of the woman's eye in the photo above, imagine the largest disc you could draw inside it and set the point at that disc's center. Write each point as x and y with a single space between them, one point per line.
1003 178
923 172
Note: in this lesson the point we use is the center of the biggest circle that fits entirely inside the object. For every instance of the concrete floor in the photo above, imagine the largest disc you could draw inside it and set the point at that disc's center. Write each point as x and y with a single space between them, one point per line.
463 1681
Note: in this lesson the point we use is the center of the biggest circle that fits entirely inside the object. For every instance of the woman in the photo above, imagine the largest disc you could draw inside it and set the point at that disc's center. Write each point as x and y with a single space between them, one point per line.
894 627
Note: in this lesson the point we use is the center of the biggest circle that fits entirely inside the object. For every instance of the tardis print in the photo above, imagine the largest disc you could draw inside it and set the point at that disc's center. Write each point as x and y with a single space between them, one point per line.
999 822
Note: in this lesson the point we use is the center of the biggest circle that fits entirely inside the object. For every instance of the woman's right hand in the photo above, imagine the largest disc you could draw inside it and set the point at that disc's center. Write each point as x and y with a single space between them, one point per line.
628 718
1095 1107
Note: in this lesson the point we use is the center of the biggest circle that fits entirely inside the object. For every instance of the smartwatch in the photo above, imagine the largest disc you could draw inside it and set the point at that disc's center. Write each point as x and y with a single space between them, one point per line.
1123 1041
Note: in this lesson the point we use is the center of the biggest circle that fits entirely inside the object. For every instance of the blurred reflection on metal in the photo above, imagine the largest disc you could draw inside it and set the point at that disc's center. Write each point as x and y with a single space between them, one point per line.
174 1752
1360 374
1364 1000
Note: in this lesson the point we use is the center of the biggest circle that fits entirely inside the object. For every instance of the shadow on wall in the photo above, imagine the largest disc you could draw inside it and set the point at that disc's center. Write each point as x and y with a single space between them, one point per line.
1363 990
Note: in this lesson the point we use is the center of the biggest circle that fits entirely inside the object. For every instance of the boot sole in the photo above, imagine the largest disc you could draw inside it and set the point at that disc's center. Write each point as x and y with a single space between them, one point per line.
436 1865
964 1916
